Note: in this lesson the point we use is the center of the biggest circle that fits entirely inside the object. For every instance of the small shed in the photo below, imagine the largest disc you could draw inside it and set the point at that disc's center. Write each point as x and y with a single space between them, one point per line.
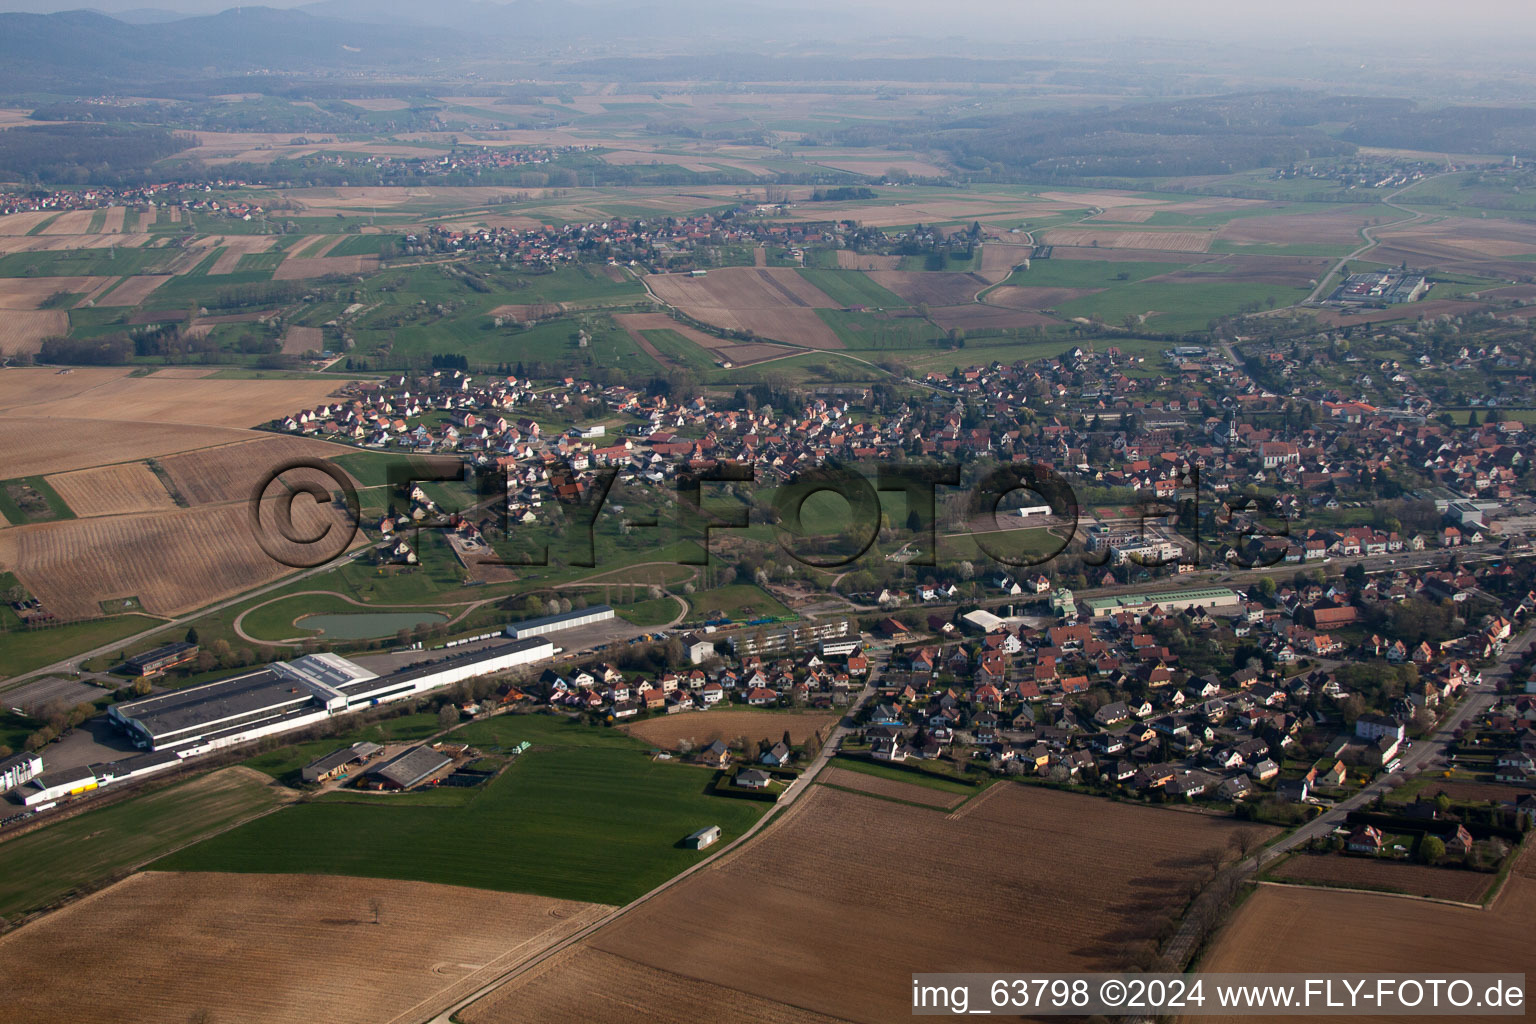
703 837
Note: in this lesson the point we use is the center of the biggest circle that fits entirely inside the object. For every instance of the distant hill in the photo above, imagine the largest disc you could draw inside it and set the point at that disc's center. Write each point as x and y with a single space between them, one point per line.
85 47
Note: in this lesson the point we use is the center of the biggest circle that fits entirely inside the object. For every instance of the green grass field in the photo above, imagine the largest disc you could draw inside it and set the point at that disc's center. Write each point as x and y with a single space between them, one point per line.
680 350
40 867
584 815
85 262
23 650
853 288
880 331
13 512
927 780
737 601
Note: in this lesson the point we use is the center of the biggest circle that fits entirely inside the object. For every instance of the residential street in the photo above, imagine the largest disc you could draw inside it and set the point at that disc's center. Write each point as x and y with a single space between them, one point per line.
1425 751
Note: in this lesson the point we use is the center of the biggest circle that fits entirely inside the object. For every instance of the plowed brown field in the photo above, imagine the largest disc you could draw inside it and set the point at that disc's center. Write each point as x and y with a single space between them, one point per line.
172 561
1376 873
1061 882
60 445
112 490
703 727
847 259
200 403
910 792
23 330
231 472
1284 929
31 292
270 949
586 984
133 290
935 289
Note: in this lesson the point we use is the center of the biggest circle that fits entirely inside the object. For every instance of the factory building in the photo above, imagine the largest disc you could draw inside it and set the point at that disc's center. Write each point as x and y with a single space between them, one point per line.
51 787
292 695
154 662
1209 598
555 623
19 769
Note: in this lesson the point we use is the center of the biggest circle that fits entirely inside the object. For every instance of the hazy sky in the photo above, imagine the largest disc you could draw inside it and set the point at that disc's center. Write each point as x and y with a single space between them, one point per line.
1331 23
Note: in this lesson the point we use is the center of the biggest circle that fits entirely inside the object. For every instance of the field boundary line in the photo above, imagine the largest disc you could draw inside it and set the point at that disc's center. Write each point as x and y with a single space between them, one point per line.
881 796
1371 892
576 923
971 801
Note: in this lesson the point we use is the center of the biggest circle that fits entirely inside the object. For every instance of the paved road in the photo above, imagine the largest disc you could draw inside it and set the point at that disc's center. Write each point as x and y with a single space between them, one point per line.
1182 946
1371 241
880 658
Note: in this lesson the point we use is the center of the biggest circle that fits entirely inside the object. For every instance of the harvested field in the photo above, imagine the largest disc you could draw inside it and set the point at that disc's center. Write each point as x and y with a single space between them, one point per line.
32 292
1072 884
775 303
1330 228
26 385
911 793
1024 297
741 288
23 330
703 728
999 258
172 561
310 245
21 223
588 984
1282 929
218 403
59 445
847 259
228 946
299 340
1175 241
61 243
116 215
236 246
230 472
792 326
1496 238
934 289
74 222
112 490
1336 869
297 269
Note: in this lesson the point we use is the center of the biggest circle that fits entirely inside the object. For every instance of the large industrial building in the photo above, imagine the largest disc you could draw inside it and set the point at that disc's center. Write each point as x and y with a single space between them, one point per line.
1388 287
1209 598
18 769
555 623
292 695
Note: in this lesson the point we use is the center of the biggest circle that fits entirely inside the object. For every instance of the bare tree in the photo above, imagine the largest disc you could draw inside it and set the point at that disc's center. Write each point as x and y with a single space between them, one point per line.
376 908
